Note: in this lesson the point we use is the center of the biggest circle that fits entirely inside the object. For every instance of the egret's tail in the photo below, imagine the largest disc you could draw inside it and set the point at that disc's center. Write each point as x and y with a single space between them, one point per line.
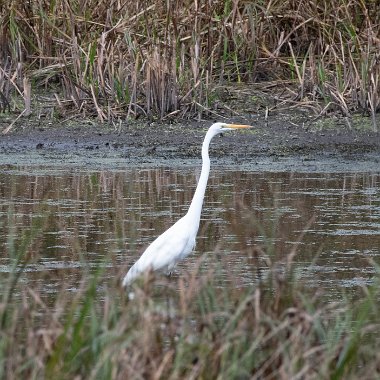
130 276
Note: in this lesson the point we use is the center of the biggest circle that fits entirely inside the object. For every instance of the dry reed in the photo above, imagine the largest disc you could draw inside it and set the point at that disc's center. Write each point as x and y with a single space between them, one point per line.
117 59
189 328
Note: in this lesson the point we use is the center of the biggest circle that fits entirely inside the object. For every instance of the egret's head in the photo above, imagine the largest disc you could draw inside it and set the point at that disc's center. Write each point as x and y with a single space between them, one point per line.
217 128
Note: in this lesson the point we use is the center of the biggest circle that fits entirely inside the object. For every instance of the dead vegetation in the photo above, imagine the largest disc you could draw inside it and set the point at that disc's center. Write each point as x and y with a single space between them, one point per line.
165 59
198 325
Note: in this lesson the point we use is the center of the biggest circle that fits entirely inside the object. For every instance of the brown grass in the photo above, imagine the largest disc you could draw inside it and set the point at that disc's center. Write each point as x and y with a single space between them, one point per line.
117 59
189 327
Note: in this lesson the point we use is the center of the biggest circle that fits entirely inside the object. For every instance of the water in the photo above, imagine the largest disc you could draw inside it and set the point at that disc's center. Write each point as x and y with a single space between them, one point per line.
83 219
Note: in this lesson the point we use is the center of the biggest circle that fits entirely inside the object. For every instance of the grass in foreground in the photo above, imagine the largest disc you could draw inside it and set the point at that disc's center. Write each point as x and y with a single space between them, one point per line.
196 326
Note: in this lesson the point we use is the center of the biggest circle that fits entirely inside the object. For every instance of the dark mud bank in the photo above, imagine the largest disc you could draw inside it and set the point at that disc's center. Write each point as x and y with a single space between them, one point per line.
269 146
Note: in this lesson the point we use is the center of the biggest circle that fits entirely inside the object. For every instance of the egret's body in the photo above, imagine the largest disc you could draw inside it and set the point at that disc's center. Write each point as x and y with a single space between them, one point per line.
179 240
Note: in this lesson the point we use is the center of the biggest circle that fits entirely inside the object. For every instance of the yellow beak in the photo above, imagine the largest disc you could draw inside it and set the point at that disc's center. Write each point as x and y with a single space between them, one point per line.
238 126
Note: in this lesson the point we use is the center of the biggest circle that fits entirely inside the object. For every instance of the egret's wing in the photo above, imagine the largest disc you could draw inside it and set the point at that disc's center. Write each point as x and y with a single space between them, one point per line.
168 248
164 252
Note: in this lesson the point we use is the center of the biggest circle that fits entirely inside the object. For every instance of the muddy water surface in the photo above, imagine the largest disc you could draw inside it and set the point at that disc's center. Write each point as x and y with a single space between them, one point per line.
86 219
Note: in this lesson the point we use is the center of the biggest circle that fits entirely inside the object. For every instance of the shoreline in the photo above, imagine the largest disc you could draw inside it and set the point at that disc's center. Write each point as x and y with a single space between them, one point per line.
278 145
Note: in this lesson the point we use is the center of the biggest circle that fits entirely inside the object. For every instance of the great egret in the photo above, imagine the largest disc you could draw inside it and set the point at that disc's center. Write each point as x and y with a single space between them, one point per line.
179 240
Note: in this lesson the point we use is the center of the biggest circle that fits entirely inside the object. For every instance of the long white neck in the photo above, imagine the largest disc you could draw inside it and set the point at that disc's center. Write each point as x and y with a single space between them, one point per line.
195 208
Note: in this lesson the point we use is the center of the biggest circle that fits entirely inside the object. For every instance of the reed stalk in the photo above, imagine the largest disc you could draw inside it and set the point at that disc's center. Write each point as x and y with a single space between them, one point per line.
160 60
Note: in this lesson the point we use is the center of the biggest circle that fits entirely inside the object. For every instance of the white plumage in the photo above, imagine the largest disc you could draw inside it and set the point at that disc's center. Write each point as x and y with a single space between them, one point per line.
179 240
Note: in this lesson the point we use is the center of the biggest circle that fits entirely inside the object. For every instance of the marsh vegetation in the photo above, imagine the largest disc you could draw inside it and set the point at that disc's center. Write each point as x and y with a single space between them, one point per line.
66 316
179 58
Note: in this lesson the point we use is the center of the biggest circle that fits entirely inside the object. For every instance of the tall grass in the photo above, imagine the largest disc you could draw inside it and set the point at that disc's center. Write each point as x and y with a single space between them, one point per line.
197 325
165 59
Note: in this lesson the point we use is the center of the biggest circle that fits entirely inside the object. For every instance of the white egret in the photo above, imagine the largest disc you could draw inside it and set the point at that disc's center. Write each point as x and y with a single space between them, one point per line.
179 240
